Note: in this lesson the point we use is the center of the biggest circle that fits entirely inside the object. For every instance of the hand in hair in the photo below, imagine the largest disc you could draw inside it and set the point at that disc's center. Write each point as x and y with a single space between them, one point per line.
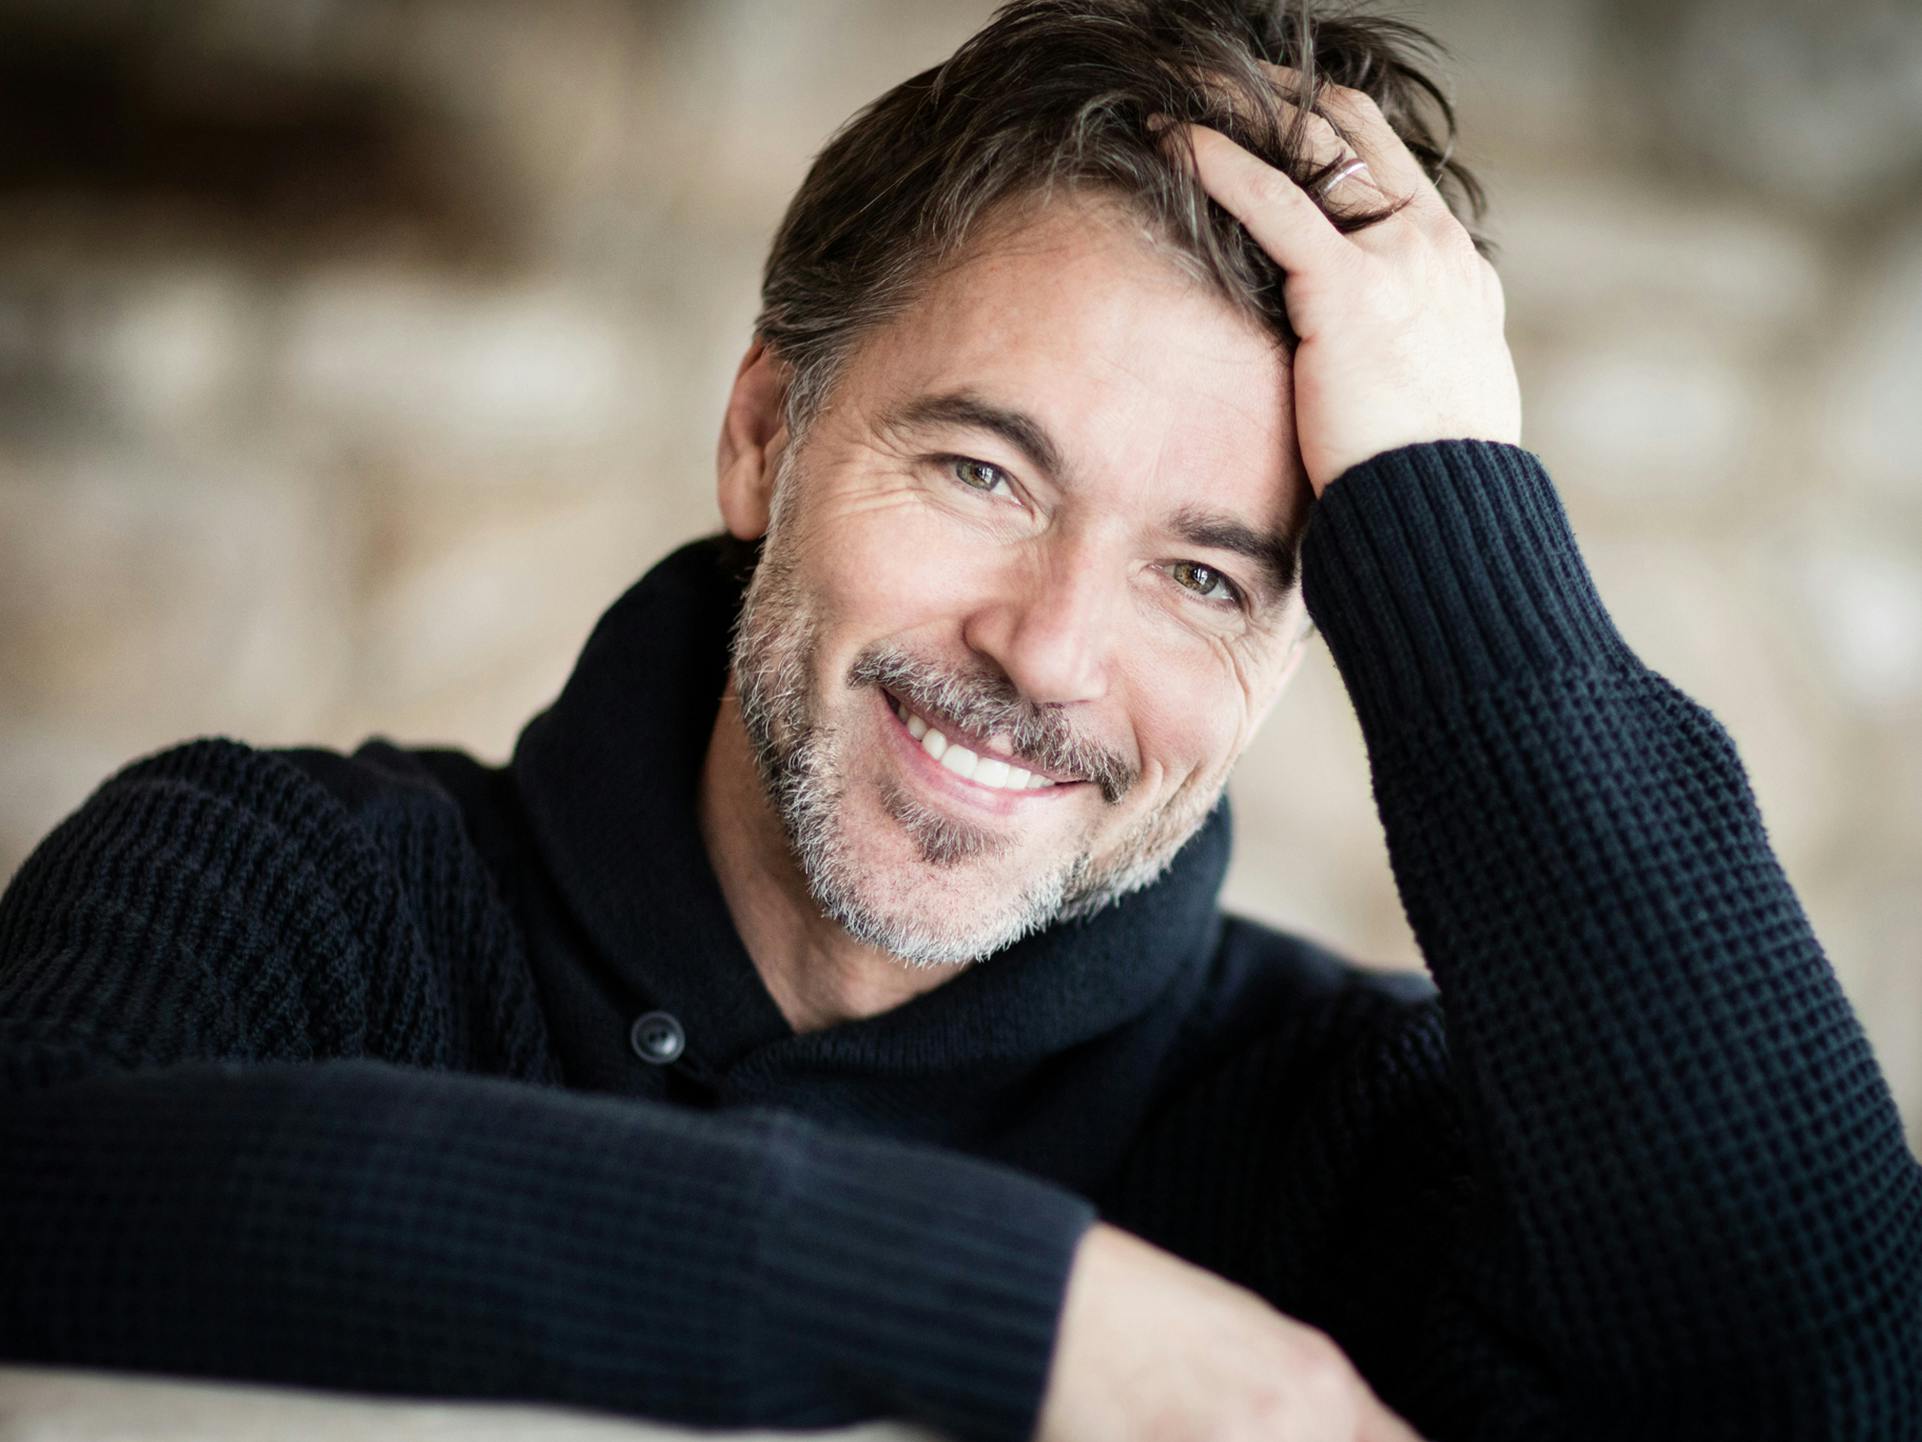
1400 322
1152 1349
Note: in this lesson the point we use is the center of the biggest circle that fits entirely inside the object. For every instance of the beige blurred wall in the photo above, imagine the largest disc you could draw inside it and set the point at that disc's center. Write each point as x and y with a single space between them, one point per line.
342 396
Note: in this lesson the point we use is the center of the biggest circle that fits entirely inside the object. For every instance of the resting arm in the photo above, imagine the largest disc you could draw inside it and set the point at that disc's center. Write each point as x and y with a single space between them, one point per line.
230 1145
357 1225
1692 1207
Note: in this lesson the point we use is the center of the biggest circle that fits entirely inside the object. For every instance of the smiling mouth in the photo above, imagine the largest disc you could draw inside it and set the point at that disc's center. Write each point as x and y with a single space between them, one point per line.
994 772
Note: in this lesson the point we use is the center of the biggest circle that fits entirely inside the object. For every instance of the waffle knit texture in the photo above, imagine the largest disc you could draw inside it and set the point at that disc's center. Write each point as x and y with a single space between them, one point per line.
315 1068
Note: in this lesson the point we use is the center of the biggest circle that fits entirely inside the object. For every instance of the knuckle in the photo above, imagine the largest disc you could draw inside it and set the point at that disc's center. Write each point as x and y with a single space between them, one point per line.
1440 224
1322 1367
1450 237
1322 131
1269 187
1356 102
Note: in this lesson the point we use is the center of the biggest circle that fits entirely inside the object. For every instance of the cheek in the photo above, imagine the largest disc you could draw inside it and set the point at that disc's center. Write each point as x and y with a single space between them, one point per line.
888 562
1188 721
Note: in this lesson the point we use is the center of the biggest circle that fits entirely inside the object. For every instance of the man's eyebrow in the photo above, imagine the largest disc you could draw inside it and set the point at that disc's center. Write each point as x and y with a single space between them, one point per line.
965 408
1278 553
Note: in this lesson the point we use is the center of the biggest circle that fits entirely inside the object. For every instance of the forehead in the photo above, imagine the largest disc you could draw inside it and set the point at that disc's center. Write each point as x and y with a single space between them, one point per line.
1155 391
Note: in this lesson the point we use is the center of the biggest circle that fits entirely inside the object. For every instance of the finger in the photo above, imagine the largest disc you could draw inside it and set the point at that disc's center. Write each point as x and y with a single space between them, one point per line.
1282 217
1386 152
1338 170
1359 120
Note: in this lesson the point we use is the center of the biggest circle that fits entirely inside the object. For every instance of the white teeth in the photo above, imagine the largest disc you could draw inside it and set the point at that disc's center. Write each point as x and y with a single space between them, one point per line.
959 760
985 771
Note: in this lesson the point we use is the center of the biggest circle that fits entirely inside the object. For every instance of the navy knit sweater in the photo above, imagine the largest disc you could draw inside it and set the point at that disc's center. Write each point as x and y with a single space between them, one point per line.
319 1069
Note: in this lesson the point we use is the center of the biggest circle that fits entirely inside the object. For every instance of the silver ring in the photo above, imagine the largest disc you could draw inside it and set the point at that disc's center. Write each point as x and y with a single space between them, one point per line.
1353 165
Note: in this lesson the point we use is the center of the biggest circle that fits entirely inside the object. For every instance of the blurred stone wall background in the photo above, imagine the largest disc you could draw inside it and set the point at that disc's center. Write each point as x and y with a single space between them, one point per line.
354 354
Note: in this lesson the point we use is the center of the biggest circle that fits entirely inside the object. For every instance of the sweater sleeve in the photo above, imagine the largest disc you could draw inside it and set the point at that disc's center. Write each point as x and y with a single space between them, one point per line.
1690 1210
231 1146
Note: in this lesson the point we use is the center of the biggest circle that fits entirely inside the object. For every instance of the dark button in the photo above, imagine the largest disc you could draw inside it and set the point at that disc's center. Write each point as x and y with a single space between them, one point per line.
657 1037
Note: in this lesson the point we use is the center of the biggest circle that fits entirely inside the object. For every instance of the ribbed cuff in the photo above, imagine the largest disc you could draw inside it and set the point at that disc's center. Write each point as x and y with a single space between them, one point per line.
1441 568
932 1280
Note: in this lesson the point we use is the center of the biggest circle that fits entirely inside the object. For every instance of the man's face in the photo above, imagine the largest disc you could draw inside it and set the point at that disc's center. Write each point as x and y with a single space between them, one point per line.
1014 543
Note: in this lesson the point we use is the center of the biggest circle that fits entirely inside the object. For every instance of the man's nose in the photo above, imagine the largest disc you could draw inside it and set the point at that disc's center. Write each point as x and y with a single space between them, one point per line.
1051 628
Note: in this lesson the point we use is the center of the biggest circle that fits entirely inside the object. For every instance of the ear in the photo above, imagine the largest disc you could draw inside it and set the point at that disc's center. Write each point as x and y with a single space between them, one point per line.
753 435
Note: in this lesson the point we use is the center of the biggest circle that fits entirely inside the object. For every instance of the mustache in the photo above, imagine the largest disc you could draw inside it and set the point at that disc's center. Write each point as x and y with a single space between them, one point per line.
986 702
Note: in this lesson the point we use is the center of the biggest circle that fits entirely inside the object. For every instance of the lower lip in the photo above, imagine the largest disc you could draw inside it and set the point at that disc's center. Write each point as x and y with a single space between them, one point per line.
949 783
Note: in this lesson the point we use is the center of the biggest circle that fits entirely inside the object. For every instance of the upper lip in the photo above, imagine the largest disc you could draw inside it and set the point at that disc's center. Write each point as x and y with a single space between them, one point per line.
977 743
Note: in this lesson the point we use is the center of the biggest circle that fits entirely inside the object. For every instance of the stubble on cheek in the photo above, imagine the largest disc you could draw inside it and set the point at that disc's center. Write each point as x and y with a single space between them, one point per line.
804 759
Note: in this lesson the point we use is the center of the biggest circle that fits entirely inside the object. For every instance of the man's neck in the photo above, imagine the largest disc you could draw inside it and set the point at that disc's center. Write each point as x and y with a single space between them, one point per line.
817 974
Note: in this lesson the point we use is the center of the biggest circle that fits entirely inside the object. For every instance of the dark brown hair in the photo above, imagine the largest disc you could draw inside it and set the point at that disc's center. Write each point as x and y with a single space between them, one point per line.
1057 93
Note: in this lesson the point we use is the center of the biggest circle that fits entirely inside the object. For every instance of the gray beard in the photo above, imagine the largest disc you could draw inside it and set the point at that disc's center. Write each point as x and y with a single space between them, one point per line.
772 653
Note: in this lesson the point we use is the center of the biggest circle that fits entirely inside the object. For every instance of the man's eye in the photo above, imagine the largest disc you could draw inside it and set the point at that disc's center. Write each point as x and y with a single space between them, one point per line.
1205 581
979 475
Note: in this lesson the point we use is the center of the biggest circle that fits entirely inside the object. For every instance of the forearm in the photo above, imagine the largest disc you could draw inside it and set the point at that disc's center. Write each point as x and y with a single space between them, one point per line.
384 1229
1687 1156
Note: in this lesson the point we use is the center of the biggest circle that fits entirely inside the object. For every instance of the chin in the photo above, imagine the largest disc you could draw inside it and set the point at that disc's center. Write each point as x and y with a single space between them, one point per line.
950 908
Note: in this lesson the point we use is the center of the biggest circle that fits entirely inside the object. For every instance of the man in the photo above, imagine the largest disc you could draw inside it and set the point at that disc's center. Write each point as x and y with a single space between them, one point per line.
827 1014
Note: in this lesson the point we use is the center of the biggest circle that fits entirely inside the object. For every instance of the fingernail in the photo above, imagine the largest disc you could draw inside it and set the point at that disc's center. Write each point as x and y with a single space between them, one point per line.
1158 122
